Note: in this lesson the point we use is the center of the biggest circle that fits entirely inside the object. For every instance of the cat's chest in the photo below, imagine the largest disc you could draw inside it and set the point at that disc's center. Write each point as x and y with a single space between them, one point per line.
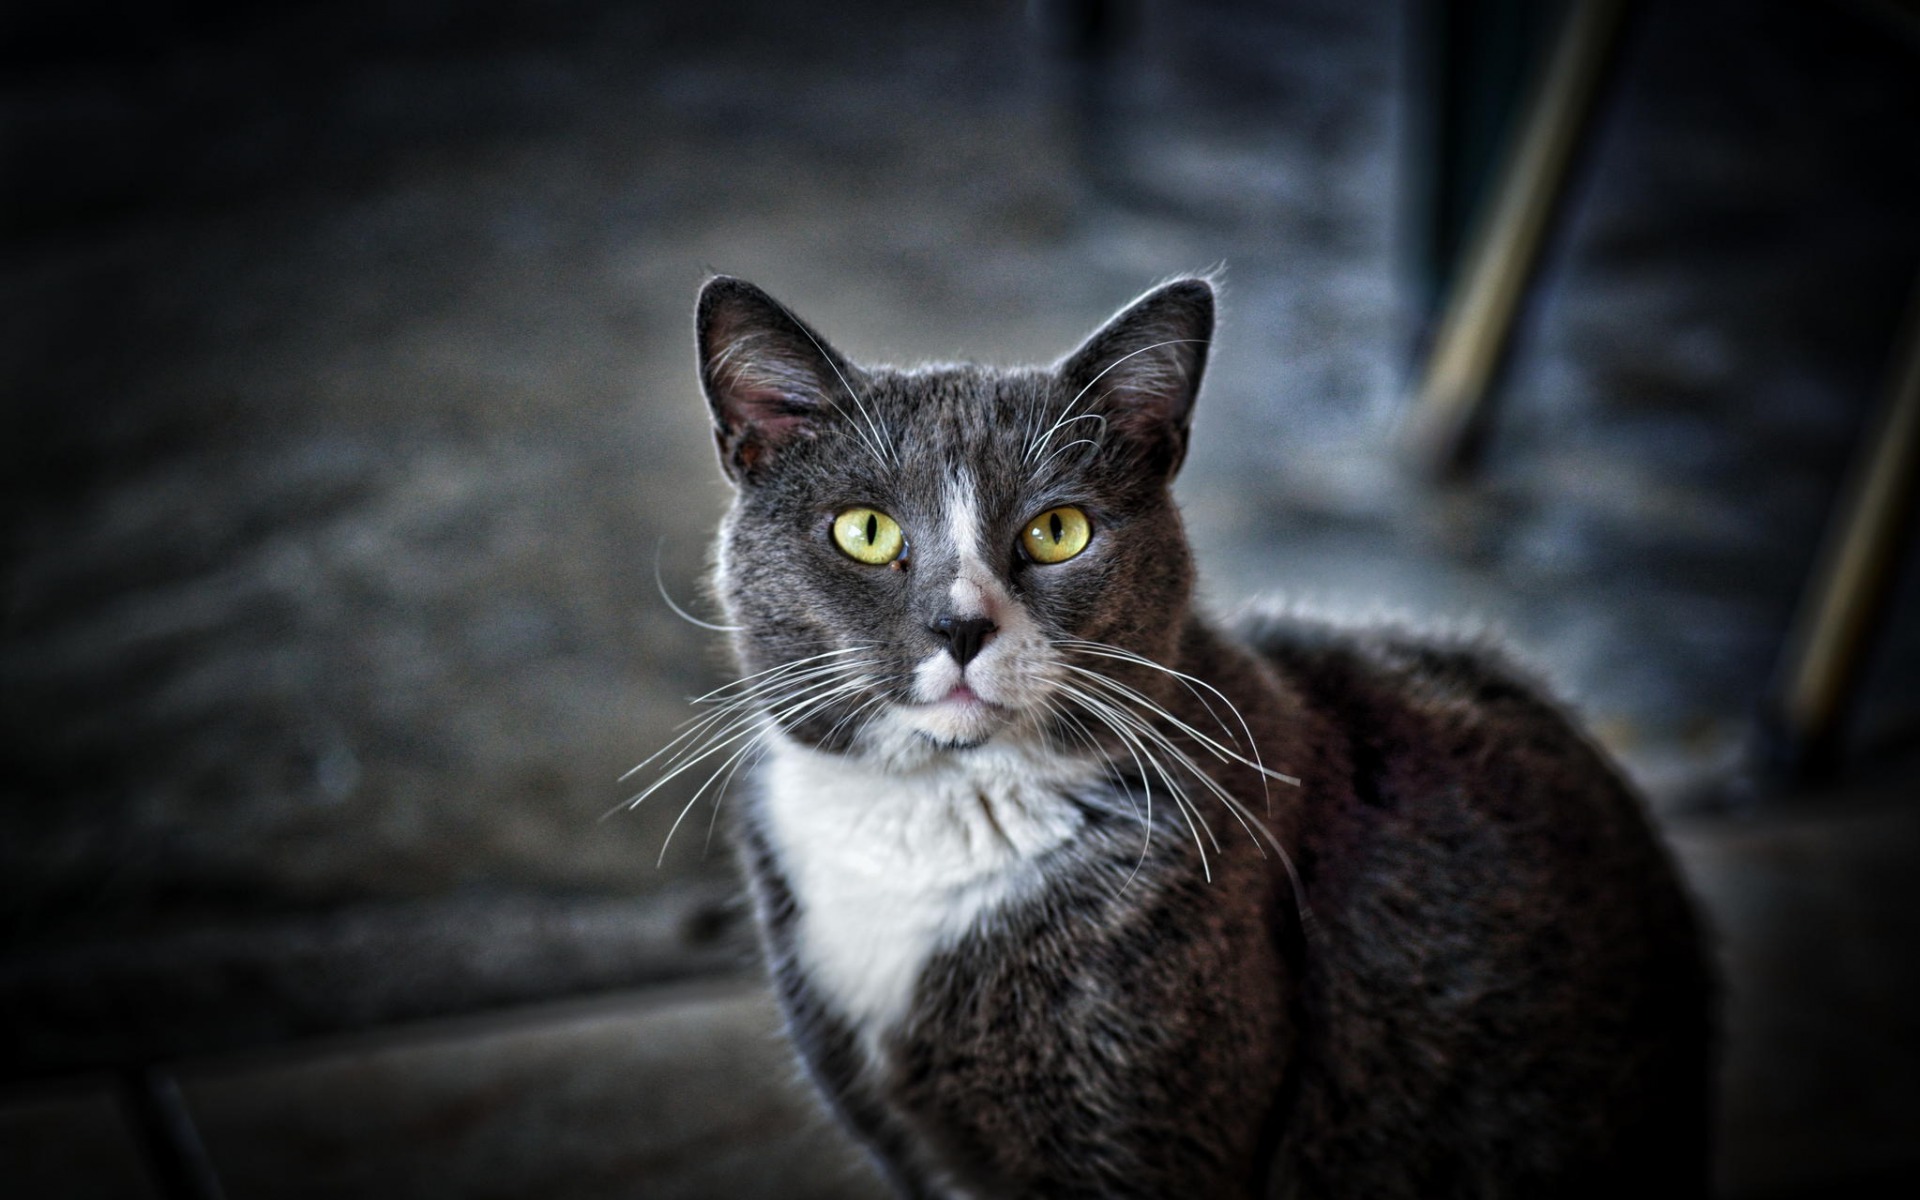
887 869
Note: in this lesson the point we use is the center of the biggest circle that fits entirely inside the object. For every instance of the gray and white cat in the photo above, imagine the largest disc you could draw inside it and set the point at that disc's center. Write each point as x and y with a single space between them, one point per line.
1067 891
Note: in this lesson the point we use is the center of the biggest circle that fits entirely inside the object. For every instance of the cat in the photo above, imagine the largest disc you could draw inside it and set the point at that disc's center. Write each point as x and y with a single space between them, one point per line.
1066 890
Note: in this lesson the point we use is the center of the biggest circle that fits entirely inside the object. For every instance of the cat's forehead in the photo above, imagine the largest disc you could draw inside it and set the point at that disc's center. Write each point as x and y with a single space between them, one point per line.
938 418
1005 437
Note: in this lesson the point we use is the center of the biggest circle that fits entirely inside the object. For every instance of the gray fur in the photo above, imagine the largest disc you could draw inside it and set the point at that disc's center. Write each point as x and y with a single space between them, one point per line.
1494 986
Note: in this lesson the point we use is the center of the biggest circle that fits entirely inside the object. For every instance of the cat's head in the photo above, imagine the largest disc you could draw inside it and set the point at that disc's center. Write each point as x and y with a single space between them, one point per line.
919 562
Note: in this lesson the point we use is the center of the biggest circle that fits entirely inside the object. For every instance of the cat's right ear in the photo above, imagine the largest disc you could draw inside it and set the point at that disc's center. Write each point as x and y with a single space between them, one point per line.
766 375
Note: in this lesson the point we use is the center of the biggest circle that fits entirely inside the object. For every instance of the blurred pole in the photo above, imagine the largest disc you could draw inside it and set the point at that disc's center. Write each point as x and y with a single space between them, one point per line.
182 1169
1470 65
1805 710
1452 400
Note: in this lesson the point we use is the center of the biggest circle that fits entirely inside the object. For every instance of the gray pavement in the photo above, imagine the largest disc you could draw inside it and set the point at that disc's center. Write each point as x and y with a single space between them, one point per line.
685 1092
679 1091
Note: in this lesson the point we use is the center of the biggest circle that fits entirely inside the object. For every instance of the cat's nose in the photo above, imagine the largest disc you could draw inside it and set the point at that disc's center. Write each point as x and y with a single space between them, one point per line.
964 635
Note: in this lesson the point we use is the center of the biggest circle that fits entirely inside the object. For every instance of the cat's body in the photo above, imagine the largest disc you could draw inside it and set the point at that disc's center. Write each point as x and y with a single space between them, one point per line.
1046 910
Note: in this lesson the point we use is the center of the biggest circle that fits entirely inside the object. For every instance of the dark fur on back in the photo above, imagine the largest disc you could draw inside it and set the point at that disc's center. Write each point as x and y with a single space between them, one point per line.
1547 1030
1454 960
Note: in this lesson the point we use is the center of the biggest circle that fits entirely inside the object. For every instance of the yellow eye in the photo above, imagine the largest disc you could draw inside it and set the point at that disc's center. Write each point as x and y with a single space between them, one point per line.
868 535
1056 535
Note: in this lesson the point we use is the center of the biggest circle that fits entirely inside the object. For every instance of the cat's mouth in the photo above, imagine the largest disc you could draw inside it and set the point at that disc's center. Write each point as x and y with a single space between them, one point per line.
962 719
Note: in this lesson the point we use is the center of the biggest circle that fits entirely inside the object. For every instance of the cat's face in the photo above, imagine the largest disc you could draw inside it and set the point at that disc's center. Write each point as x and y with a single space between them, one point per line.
920 563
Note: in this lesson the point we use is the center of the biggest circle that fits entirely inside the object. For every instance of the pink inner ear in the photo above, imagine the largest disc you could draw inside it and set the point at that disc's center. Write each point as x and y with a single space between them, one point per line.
1142 411
771 412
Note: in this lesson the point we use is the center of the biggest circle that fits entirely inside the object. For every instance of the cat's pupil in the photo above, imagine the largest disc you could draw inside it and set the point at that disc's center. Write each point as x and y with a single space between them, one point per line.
873 529
1059 531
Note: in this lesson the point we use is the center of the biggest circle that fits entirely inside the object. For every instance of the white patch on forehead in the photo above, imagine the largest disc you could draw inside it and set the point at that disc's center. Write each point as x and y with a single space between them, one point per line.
975 592
963 514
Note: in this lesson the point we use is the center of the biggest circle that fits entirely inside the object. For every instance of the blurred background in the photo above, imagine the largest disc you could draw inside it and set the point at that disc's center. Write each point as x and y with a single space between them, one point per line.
350 417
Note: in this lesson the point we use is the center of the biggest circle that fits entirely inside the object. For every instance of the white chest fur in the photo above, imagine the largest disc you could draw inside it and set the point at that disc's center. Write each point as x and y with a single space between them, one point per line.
889 867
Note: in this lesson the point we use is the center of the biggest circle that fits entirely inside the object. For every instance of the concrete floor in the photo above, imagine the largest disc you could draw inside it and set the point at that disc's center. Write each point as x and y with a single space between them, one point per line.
355 406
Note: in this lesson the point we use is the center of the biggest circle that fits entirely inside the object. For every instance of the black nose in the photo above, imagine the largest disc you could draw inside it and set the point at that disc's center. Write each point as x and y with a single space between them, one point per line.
964 635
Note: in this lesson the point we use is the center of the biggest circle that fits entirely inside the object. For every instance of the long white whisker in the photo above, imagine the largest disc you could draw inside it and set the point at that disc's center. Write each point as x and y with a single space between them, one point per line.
1125 692
1192 683
755 752
1086 738
1193 686
734 732
773 689
1038 444
753 731
783 667
1212 785
1126 726
751 753
727 766
1213 745
755 739
661 585
692 730
1152 737
1101 712
1145 819
696 727
867 723
1255 828
1065 421
834 730
1232 803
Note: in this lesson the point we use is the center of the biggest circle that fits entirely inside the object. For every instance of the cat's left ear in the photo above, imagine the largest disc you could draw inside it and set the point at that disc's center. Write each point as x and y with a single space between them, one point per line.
768 378
1141 370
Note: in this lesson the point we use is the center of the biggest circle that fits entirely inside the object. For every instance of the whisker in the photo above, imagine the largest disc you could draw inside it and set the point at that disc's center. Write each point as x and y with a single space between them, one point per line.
759 749
753 690
1066 421
788 686
729 735
766 723
1145 819
695 727
834 730
1120 654
1123 693
1040 443
1232 803
661 585
1127 727
730 764
1182 758
1192 683
1213 745
786 666
1157 738
1086 738
755 751
1100 712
